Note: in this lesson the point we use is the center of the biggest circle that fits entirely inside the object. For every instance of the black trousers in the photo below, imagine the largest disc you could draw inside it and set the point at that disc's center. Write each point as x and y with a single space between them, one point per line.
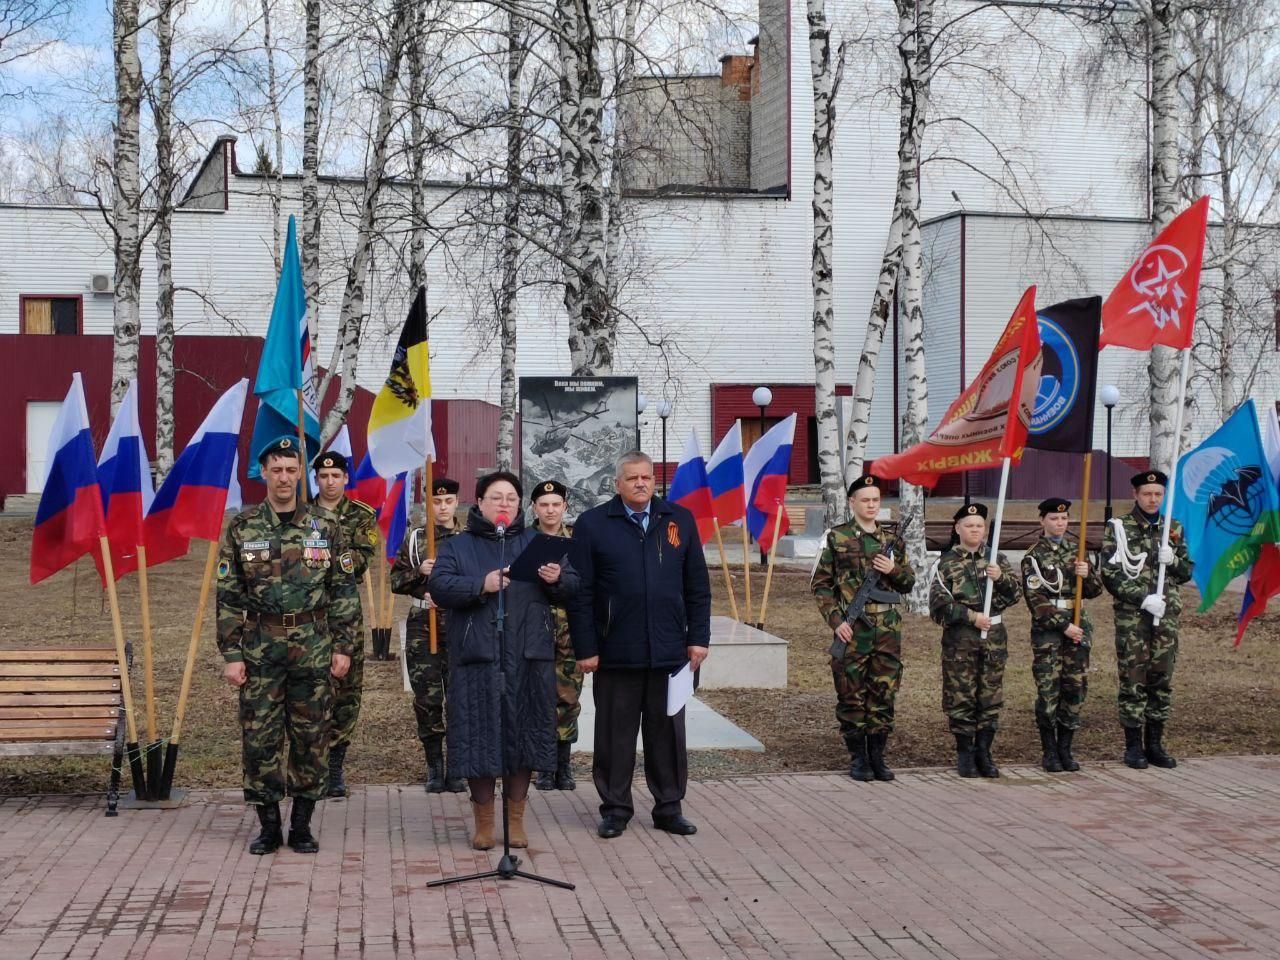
630 702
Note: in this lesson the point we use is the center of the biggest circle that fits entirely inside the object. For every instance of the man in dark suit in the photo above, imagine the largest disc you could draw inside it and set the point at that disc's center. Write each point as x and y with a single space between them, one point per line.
642 612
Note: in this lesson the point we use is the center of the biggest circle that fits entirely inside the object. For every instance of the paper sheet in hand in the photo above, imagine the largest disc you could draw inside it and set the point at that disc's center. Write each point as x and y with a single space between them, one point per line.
679 689
542 549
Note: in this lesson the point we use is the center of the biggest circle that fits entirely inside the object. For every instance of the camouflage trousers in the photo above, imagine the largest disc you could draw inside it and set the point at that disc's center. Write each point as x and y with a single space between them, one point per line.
866 679
973 678
428 673
568 691
1145 658
347 696
288 696
1060 667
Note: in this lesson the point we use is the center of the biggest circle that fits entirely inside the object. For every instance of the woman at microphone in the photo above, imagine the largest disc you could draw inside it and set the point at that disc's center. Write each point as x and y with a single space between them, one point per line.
469 572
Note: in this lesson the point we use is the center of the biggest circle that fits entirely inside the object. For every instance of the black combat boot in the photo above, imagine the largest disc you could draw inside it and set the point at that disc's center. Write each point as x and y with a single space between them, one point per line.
564 766
982 753
1065 736
337 785
545 780
1051 762
300 838
964 756
1133 755
1155 749
875 754
270 837
859 767
434 749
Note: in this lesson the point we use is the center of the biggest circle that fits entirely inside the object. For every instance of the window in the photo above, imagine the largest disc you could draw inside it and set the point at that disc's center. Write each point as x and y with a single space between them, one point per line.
51 315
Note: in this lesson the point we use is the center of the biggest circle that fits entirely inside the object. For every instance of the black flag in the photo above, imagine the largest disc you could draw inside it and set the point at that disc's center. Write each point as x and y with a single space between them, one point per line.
1063 415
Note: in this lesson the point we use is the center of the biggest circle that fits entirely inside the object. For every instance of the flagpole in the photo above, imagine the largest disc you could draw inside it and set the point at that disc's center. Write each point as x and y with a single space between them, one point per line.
746 565
1173 471
368 587
430 523
995 536
724 566
302 447
768 577
148 673
126 690
171 753
1084 529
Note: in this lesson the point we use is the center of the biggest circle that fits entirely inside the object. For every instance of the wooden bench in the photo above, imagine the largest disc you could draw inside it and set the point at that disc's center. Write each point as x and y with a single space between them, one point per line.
63 701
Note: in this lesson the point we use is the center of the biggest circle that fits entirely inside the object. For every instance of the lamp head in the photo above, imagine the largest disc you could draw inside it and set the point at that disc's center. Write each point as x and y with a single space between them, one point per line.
664 408
1109 395
641 402
762 396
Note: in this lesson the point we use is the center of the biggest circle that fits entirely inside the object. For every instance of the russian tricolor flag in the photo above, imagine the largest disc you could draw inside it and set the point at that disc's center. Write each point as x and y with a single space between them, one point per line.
393 518
341 443
367 486
124 475
202 484
69 520
690 489
1264 576
766 469
725 478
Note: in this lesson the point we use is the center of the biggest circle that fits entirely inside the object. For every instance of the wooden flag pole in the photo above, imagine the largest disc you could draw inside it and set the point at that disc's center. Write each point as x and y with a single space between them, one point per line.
373 610
126 690
768 577
1173 472
746 565
995 536
724 565
1084 529
302 448
148 674
171 753
429 521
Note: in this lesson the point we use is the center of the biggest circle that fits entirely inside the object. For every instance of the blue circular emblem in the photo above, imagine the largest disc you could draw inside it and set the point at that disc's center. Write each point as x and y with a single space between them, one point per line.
1059 378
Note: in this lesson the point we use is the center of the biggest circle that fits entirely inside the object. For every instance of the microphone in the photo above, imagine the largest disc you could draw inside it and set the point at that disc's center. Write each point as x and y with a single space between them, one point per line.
502 522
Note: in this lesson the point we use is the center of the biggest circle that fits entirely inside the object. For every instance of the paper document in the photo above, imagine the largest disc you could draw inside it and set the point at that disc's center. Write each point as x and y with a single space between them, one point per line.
679 689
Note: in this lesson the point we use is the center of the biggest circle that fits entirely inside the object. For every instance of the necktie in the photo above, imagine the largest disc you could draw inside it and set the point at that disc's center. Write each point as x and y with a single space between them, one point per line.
642 521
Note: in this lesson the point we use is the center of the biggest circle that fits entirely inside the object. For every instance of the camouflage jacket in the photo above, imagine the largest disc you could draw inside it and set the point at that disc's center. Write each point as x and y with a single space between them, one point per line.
1048 576
269 566
844 563
960 584
1143 537
406 576
359 531
559 612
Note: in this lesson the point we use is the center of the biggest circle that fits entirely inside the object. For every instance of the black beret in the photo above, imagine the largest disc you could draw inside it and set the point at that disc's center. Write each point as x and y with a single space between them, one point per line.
333 459
971 510
443 487
283 446
1054 505
1149 476
548 487
866 480
489 479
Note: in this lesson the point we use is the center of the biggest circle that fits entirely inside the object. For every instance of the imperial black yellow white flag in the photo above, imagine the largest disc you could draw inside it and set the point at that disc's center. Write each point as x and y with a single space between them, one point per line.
400 424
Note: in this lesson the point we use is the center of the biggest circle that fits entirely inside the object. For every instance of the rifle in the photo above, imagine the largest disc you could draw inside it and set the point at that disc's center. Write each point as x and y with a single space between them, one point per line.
872 590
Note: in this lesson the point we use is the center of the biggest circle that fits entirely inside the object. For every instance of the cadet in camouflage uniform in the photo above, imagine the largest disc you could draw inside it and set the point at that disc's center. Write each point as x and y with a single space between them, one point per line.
1145 653
549 500
869 671
287 616
972 666
359 528
428 673
1059 648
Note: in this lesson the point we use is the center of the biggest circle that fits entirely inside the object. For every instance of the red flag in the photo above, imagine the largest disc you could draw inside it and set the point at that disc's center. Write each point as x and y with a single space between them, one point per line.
1155 301
978 430
1263 584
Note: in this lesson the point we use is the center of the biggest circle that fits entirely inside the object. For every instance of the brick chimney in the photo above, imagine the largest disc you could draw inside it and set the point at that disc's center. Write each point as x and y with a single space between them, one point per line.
735 71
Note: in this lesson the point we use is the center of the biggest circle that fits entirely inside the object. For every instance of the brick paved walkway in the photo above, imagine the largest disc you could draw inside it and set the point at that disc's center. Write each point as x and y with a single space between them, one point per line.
1106 864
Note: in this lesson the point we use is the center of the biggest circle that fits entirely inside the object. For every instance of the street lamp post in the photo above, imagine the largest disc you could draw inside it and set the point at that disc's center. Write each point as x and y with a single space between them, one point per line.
664 411
1110 396
761 397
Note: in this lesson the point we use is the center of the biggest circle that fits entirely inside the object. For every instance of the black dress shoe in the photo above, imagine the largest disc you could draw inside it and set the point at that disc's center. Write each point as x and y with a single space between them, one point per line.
611 827
677 825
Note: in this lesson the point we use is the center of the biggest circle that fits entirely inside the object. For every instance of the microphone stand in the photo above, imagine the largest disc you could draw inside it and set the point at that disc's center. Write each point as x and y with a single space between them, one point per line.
509 866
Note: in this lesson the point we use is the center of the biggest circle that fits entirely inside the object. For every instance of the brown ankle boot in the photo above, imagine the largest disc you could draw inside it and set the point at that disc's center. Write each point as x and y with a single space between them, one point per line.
483 838
515 824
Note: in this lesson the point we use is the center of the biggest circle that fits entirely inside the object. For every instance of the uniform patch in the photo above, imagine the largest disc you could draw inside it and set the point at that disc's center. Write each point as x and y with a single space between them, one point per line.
346 563
249 545
224 569
673 534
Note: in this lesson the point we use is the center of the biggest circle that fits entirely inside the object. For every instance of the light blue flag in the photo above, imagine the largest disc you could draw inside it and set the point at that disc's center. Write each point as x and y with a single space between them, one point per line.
1227 502
285 366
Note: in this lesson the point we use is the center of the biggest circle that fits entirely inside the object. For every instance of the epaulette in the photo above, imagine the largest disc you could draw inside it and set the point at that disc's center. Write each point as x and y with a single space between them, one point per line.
361 507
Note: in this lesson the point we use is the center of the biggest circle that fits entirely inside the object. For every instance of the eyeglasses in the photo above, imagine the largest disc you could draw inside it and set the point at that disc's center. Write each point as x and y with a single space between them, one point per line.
502 498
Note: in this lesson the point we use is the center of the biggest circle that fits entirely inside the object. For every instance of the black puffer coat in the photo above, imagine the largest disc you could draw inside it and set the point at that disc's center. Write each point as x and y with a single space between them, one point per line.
474 710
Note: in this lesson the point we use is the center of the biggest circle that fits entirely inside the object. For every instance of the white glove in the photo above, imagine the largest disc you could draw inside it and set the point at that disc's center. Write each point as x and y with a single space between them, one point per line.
1154 605
1166 556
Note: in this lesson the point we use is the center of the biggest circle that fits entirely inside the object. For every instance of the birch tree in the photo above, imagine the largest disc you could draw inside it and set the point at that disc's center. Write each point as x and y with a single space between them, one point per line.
277 129
511 245
162 112
127 199
310 252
